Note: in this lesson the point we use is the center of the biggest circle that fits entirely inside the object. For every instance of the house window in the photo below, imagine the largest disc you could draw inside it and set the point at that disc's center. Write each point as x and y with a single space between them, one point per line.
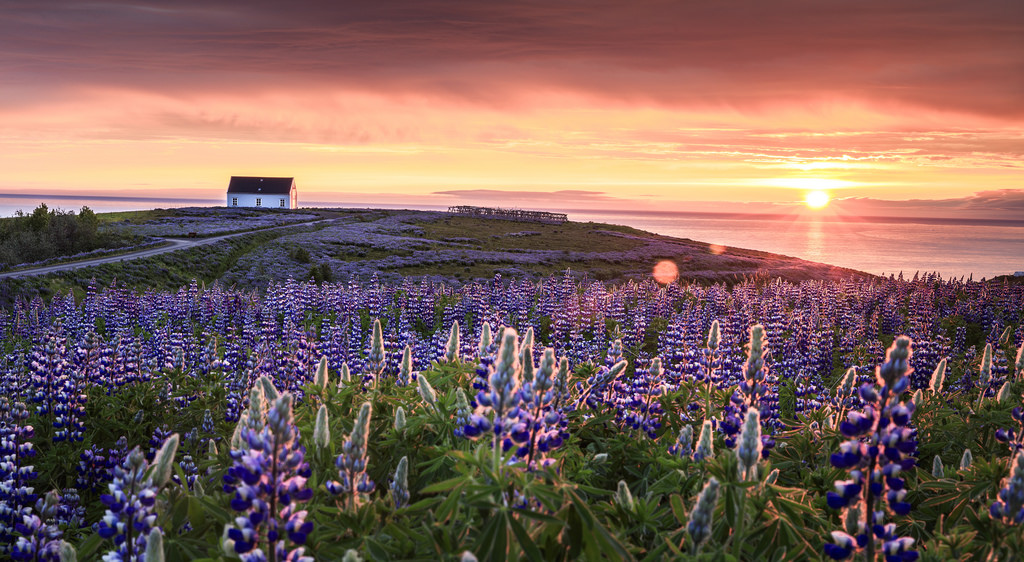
234 201
258 201
282 202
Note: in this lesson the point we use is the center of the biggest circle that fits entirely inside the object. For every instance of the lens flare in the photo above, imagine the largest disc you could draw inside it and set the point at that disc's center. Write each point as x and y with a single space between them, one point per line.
665 272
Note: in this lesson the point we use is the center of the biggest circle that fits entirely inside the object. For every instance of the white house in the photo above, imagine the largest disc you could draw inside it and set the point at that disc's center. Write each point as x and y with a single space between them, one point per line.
272 193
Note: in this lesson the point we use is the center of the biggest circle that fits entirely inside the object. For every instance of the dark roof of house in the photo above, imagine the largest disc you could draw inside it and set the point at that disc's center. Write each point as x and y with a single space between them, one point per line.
269 186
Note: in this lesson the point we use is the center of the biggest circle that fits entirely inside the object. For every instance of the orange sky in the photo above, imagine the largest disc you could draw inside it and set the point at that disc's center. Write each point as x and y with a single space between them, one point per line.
538 104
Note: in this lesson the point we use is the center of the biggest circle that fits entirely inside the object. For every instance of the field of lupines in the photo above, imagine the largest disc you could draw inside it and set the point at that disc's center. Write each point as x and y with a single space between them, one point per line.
551 420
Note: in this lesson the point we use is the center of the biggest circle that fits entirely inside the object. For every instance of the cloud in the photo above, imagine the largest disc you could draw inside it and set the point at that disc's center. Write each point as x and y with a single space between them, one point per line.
749 55
1003 204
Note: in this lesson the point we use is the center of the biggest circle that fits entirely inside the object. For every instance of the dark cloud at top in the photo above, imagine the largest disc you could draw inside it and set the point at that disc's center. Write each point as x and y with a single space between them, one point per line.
951 55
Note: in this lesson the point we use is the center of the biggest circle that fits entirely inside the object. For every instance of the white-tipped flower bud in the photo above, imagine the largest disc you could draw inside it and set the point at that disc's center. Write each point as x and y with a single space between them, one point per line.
938 470
451 349
155 546
344 376
321 429
485 339
713 336
405 368
526 360
269 390
772 477
66 552
600 458
938 377
1004 393
237 441
163 462
467 556
846 385
967 460
361 429
400 419
623 497
985 374
426 391
918 397
1005 337
351 555
320 380
705 443
377 356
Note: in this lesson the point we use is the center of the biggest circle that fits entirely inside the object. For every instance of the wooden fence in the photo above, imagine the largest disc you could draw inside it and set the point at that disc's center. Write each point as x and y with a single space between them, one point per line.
509 214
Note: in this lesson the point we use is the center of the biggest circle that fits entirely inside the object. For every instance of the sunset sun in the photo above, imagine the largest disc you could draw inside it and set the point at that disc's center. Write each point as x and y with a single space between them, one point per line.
816 199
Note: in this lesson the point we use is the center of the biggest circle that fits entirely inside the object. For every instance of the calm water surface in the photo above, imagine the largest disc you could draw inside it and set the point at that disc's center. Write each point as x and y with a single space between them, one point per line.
952 250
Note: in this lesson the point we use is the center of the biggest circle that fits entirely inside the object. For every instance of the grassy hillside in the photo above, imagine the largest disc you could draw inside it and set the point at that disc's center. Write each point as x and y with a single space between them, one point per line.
391 245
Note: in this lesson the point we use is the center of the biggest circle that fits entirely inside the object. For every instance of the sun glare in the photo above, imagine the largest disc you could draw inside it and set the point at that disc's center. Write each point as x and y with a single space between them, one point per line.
816 199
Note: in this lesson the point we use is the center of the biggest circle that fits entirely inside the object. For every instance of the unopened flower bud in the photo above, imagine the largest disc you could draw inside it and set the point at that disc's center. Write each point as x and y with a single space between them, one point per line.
320 380
623 497
966 460
400 419
321 429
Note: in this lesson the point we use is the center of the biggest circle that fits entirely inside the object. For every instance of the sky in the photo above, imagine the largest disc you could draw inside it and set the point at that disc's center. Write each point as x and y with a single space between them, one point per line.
910 107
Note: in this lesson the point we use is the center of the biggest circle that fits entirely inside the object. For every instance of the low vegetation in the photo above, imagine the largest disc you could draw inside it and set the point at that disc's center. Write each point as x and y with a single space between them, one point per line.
47 233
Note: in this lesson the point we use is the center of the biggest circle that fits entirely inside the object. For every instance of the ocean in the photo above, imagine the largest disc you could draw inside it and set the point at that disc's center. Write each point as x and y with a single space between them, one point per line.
882 247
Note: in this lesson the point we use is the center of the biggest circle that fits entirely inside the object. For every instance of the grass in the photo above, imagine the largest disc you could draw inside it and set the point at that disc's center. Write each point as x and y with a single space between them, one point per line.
494 235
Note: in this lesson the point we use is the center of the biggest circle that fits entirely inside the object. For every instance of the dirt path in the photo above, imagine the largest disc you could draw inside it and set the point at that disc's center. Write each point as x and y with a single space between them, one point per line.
174 244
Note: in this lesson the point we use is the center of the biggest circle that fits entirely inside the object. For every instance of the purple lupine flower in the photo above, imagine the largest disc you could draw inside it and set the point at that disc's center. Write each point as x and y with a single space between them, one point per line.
352 462
881 445
130 508
1009 507
268 478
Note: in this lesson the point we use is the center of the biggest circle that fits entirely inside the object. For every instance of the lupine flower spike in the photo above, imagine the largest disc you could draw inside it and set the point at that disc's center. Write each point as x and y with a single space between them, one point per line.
321 429
267 479
451 349
426 392
320 380
985 372
1010 506
702 515
405 368
938 377
352 462
705 444
400 484
400 419
749 450
623 497
966 460
880 446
